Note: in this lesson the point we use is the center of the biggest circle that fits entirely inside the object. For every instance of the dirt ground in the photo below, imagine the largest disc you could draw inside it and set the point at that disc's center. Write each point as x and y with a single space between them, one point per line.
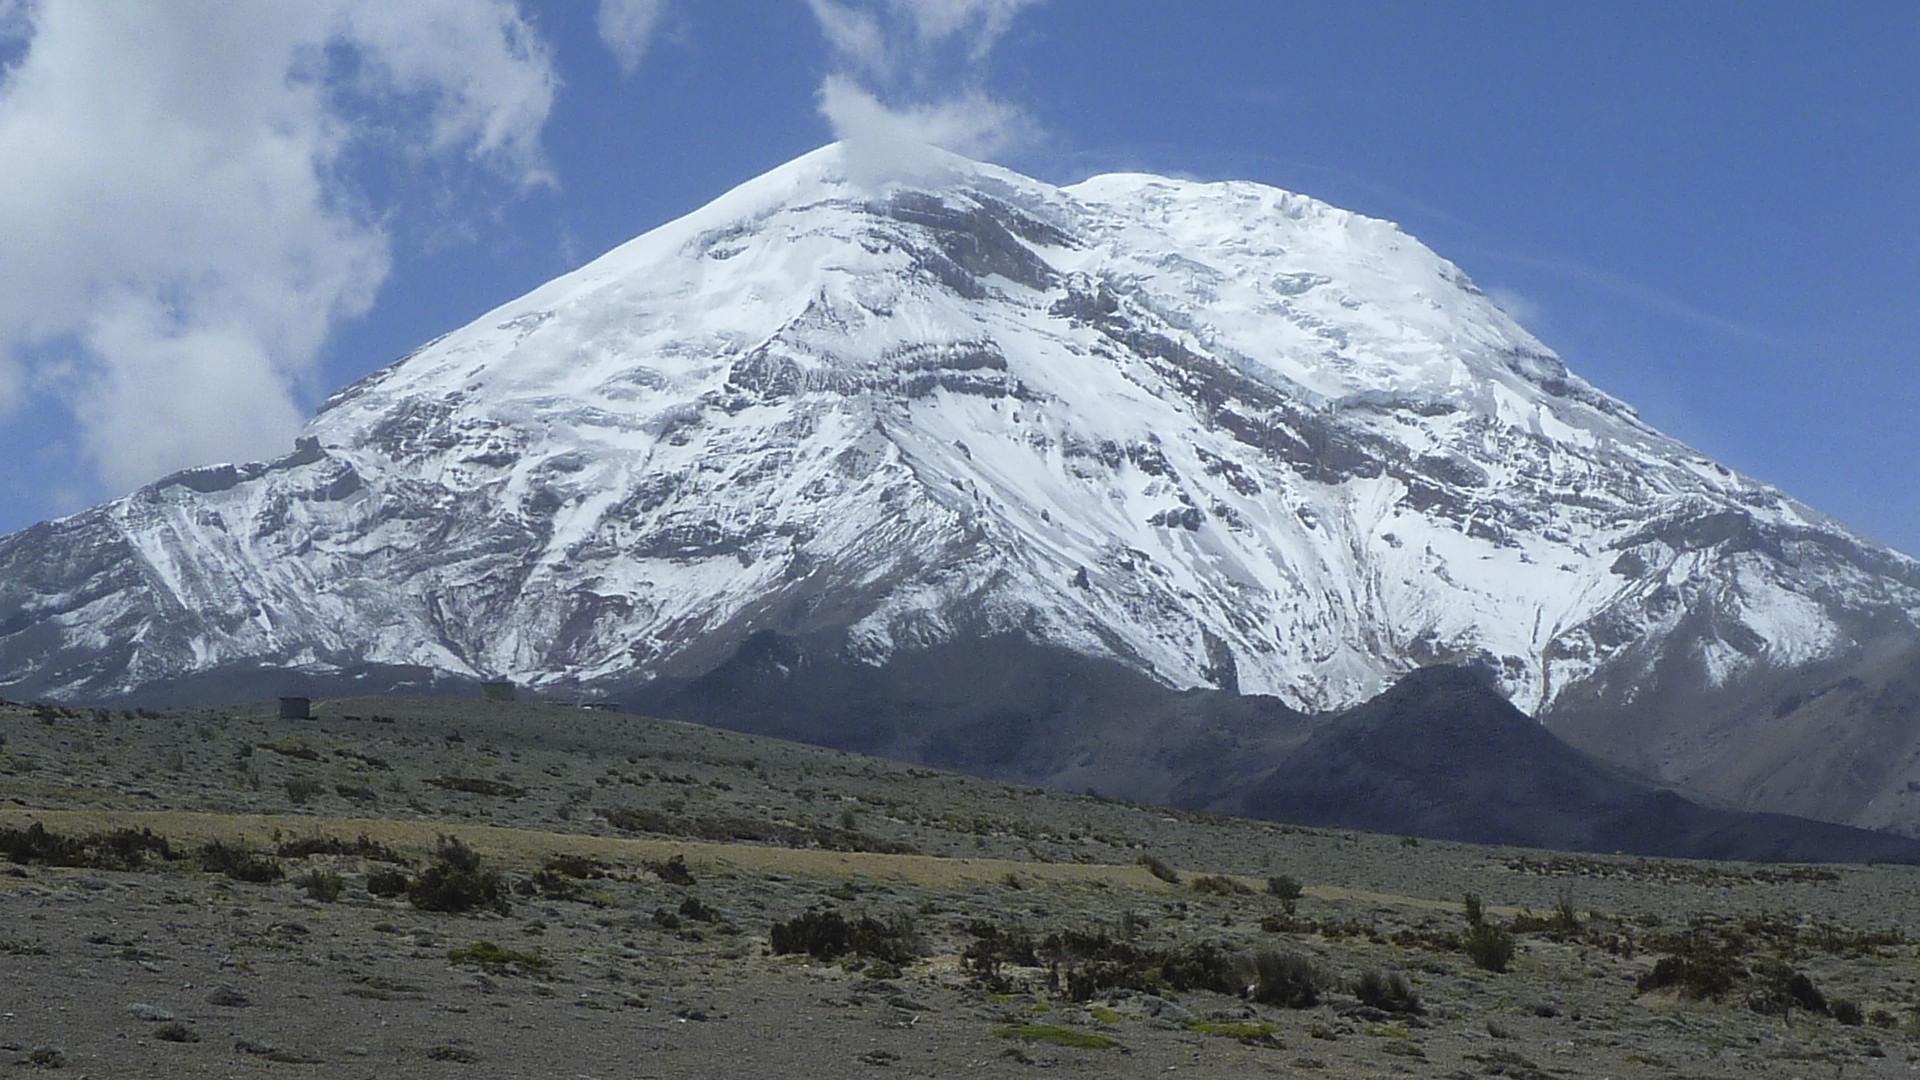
643 867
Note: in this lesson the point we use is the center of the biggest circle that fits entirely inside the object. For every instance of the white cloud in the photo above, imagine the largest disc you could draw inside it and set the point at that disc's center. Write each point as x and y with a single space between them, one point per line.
982 21
626 28
889 144
880 101
854 36
1523 308
180 239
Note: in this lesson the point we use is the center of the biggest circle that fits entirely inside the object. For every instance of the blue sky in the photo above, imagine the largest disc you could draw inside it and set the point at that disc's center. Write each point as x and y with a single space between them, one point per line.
1711 210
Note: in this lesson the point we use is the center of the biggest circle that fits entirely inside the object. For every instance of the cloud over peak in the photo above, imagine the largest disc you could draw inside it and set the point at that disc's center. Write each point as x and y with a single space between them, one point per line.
183 233
889 95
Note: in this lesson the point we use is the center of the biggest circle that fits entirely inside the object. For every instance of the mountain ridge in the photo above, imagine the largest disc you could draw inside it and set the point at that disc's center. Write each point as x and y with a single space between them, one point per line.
1223 435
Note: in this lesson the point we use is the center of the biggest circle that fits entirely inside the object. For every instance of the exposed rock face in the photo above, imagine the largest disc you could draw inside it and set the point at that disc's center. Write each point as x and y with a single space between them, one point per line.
1221 435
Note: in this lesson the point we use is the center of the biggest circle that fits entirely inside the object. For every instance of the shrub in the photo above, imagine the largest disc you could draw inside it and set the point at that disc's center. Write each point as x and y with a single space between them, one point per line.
302 788
1284 887
121 849
360 846
456 881
1782 989
1286 979
387 882
1219 885
692 908
239 863
1160 869
992 947
474 785
1387 990
1488 946
1697 975
321 885
1848 1012
825 934
673 871
491 957
1476 911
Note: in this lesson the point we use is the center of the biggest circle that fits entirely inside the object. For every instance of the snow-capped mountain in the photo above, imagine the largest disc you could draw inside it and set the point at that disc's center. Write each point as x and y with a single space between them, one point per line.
1223 434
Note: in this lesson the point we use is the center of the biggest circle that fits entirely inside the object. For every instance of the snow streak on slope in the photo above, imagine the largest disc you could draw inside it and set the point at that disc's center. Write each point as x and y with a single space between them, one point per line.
1226 434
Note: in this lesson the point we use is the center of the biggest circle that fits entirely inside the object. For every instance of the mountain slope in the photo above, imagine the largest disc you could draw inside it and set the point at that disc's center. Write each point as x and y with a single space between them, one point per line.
1442 755
1221 435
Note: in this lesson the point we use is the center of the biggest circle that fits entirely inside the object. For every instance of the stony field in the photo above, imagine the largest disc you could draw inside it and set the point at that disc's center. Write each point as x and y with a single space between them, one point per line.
401 888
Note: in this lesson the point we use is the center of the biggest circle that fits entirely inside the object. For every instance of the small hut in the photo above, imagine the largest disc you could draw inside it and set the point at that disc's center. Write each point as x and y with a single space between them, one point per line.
296 708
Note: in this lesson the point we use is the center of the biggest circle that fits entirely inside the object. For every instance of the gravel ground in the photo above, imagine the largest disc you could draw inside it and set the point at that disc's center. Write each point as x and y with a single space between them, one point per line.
620 961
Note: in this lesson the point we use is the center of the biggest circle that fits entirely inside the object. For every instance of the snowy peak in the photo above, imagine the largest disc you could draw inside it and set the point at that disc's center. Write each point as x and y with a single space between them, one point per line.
1224 434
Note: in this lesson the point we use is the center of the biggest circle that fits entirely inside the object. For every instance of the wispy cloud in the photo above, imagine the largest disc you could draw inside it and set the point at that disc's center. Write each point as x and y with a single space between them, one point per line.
182 236
884 98
626 28
1640 295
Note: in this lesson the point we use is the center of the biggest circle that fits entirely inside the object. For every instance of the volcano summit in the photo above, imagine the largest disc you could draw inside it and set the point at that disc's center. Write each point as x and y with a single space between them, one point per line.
1218 435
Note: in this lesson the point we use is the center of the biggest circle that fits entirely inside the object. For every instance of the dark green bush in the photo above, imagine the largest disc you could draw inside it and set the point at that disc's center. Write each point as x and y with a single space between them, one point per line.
239 863
120 849
456 881
1488 946
823 933
1699 975
360 846
1285 887
1848 1012
1286 979
387 882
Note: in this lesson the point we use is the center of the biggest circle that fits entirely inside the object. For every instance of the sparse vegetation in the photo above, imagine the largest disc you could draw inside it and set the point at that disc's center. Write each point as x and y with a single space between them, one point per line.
825 934
1286 979
491 957
387 882
1490 947
456 882
1160 869
1054 1034
322 885
475 785
239 862
120 849
1387 990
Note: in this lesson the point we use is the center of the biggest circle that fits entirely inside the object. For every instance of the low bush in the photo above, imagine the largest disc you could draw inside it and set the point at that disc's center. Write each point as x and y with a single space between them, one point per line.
1388 991
823 933
239 862
321 885
493 958
1160 869
120 849
456 881
1286 979
475 785
302 788
1699 975
387 882
673 871
361 847
1219 885
1284 887
1488 946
